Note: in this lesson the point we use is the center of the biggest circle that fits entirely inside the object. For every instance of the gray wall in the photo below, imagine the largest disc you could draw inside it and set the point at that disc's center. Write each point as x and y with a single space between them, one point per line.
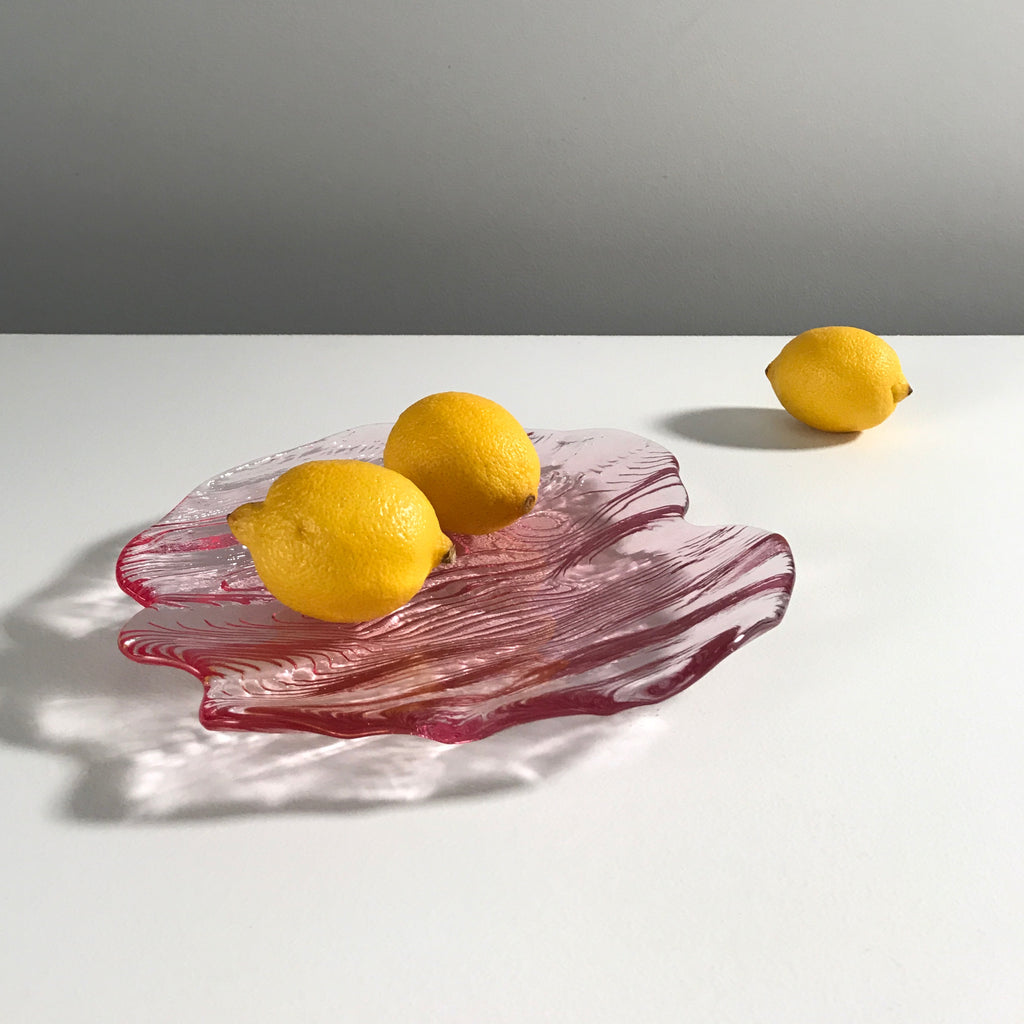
736 166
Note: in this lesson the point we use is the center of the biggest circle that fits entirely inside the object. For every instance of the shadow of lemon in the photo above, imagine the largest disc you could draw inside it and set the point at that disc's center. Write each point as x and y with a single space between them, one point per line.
749 427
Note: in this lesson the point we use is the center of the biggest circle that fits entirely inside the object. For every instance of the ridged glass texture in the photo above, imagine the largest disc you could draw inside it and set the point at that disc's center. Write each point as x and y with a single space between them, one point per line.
602 598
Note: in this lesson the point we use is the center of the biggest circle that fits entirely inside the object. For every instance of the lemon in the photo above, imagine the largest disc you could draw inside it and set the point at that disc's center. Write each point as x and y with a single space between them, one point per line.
341 540
470 457
838 378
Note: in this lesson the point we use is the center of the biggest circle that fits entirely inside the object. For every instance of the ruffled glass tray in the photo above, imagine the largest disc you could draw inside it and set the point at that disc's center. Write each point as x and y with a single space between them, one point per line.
602 598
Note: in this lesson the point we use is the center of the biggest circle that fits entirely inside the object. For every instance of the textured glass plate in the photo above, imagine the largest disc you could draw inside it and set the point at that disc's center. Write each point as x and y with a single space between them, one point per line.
602 598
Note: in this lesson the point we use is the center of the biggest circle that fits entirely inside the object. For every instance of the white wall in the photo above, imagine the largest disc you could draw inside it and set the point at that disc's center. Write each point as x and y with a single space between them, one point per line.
735 166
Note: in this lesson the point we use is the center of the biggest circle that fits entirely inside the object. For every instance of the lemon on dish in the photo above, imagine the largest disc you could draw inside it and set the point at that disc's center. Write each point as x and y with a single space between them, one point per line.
342 540
471 458
838 379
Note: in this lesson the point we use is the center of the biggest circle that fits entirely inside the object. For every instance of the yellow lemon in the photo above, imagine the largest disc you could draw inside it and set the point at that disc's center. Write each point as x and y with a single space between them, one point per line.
470 457
342 540
838 378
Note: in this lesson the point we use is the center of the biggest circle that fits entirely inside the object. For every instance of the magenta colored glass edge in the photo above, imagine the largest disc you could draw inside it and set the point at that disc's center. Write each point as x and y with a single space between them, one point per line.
429 718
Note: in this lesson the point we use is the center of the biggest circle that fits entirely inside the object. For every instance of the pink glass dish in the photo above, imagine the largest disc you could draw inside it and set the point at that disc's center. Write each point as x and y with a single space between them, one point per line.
603 598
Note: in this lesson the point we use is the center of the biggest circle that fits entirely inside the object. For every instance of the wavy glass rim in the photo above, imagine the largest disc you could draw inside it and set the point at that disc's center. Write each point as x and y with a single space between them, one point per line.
601 599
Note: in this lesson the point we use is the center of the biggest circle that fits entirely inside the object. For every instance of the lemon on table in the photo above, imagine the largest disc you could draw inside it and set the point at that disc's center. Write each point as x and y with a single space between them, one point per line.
342 540
470 457
838 378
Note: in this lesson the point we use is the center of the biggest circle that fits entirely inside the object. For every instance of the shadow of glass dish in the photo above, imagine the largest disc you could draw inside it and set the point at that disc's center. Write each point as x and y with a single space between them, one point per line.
144 756
749 427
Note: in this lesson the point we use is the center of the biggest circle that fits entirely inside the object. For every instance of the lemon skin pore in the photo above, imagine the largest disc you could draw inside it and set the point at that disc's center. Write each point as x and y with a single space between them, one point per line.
838 379
342 540
470 457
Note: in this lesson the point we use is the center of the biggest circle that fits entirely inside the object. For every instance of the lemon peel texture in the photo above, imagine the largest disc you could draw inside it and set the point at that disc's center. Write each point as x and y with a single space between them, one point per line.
471 458
838 379
342 540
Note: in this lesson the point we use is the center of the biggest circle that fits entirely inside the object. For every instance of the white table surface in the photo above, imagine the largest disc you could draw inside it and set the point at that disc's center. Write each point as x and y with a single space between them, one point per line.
825 828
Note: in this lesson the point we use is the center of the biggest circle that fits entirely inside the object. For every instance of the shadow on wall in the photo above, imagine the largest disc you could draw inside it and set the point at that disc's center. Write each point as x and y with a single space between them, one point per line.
133 730
468 169
77 277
